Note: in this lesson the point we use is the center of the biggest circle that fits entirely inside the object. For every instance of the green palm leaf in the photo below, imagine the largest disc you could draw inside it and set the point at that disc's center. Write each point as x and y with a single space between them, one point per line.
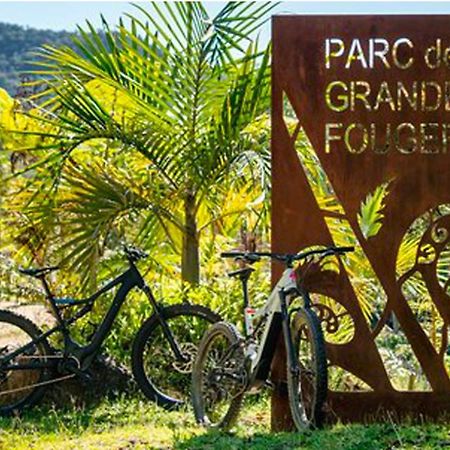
173 85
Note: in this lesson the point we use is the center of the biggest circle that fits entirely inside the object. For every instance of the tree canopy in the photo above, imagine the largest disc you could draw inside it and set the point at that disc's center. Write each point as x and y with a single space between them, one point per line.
159 122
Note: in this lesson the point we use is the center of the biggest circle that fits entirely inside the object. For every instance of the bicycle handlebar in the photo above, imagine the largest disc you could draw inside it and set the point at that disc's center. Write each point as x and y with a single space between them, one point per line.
134 254
252 257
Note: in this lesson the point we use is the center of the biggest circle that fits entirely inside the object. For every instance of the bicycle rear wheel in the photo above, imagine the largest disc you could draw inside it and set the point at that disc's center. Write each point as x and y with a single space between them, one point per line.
159 374
20 389
308 388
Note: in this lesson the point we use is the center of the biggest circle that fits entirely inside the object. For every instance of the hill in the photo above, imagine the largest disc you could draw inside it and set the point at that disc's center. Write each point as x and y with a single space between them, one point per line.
16 45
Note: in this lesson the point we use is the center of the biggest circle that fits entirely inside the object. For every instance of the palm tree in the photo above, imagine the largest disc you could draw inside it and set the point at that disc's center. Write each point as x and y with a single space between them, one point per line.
175 86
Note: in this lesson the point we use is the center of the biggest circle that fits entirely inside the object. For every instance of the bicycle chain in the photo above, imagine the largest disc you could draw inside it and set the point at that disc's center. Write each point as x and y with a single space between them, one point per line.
43 383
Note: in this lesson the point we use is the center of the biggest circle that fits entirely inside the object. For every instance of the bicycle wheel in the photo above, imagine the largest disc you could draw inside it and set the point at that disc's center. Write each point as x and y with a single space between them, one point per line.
18 388
159 374
308 389
218 377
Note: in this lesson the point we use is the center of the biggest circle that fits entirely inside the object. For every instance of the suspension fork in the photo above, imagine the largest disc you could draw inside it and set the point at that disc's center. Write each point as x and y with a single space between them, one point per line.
165 327
287 333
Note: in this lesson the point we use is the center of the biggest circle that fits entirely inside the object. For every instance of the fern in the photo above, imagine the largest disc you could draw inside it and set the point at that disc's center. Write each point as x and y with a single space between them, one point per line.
371 215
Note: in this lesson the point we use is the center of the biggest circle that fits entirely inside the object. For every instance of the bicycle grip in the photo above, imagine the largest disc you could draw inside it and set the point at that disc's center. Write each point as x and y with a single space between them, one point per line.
344 249
231 254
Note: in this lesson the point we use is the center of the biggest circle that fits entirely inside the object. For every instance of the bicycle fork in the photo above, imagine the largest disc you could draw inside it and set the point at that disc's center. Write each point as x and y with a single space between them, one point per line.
166 330
287 333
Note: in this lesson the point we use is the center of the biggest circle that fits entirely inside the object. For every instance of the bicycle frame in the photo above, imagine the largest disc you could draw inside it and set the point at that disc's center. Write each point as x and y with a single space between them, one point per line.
84 355
275 313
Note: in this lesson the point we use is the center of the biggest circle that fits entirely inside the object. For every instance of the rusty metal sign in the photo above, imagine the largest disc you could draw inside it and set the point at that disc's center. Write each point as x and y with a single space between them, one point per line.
361 155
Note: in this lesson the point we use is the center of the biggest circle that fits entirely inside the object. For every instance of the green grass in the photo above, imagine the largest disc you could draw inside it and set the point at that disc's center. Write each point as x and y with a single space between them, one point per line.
133 423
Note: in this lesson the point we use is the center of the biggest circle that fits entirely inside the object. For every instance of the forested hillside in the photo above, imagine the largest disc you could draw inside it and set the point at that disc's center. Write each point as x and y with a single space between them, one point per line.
16 45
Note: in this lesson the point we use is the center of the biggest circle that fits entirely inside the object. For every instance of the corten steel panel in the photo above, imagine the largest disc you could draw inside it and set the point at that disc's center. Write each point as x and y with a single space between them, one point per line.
418 181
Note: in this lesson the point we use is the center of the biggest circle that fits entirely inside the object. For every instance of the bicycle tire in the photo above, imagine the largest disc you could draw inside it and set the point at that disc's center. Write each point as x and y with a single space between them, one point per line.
230 333
307 407
150 331
30 329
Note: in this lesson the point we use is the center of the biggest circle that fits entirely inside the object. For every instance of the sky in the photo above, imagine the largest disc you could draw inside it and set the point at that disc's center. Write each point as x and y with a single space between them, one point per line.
58 15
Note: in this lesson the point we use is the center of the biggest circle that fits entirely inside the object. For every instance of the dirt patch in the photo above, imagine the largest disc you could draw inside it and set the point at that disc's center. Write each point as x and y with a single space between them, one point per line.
39 314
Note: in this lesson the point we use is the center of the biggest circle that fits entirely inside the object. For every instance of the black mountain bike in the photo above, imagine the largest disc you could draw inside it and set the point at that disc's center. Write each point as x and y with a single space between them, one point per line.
162 355
228 365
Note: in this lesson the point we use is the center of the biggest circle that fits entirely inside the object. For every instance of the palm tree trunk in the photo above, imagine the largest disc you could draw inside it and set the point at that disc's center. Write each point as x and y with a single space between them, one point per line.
190 262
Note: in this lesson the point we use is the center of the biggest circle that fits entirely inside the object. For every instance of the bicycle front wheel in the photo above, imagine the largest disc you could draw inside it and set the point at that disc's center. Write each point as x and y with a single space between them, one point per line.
219 377
20 388
308 388
162 377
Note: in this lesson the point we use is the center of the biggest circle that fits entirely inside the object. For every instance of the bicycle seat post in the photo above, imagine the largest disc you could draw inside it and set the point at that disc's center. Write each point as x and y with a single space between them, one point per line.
46 286
51 299
244 280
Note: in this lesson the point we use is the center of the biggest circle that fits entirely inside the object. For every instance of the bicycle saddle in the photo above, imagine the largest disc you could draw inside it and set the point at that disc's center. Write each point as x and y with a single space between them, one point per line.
38 271
244 272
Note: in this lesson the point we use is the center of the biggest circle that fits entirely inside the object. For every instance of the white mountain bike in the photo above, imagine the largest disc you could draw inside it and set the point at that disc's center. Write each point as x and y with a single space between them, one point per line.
228 365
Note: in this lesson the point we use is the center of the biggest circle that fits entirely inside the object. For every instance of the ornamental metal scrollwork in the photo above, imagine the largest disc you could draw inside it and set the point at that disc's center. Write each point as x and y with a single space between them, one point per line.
331 185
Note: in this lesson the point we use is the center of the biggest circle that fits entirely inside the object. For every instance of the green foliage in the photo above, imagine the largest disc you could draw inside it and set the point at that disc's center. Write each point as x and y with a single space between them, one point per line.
184 96
400 362
371 215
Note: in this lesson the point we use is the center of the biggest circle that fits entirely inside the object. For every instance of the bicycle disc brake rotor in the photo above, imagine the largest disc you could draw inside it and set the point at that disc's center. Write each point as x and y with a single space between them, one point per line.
188 350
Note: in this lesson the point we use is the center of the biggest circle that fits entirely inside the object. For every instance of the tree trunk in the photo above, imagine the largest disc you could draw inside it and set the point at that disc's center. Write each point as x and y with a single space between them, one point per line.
190 262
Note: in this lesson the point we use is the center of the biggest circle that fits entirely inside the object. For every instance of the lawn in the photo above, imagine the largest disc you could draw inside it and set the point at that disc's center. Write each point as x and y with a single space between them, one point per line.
132 423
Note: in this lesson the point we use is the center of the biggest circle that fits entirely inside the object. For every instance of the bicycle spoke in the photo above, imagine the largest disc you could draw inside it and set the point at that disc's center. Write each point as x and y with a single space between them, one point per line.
221 378
170 375
17 383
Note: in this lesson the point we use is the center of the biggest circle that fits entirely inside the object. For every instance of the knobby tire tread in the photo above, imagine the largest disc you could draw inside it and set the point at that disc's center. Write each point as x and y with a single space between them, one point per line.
231 333
310 317
33 331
